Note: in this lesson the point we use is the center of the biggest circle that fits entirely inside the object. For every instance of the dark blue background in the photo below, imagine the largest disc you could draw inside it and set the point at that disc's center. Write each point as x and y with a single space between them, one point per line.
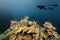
16 9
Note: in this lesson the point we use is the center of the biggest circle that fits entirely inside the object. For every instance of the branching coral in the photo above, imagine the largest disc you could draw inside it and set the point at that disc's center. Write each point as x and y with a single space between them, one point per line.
30 30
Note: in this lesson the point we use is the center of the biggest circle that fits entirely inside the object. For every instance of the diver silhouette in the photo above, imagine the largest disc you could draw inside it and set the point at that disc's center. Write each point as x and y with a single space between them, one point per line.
46 7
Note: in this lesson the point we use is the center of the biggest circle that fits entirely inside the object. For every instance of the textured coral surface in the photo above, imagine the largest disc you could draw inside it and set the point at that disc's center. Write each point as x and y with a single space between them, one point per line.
30 30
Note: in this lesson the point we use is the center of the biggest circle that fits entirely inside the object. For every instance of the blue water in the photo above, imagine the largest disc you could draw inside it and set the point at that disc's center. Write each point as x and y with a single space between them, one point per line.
17 9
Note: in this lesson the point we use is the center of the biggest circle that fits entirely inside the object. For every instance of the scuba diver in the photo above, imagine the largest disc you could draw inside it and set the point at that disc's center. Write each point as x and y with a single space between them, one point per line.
46 7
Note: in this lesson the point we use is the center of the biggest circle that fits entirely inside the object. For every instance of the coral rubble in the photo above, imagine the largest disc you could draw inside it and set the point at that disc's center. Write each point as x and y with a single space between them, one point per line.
30 30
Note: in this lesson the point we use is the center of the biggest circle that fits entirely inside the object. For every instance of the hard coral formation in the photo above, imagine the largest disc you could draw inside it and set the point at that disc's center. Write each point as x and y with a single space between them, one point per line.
30 30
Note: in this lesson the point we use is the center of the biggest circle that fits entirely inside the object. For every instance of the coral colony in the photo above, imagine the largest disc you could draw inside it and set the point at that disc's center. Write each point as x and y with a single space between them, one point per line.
30 30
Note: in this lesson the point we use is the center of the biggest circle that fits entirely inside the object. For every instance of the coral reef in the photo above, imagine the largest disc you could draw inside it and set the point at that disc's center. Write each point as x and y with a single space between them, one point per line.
30 30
